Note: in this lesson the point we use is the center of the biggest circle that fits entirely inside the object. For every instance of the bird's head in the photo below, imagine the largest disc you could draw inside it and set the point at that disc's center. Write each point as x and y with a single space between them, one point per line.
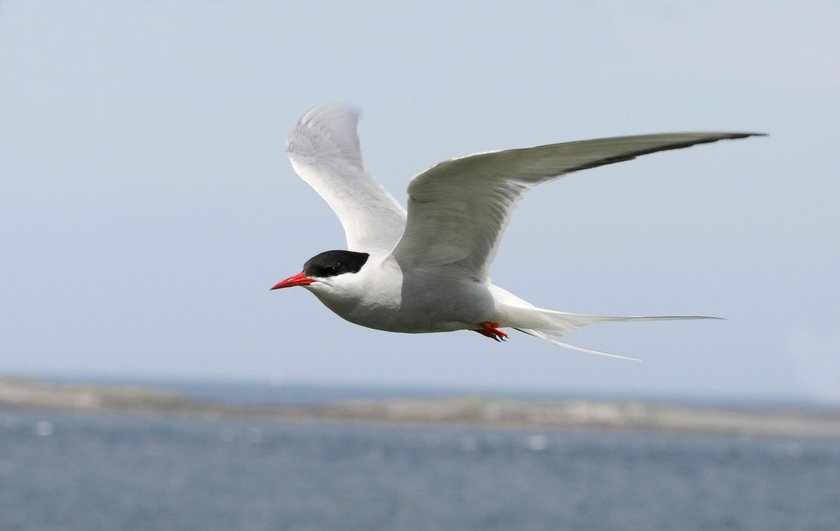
326 270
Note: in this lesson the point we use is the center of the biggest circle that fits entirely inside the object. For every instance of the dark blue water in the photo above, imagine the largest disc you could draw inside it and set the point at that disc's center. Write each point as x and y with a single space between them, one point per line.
89 472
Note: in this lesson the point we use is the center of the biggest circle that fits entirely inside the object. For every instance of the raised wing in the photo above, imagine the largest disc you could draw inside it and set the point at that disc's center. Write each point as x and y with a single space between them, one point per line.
324 152
458 209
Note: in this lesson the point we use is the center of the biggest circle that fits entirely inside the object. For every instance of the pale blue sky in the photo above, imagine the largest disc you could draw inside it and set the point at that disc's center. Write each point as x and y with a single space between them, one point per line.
146 204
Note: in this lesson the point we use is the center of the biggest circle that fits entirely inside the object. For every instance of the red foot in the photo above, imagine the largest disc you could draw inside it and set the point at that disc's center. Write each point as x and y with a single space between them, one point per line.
492 331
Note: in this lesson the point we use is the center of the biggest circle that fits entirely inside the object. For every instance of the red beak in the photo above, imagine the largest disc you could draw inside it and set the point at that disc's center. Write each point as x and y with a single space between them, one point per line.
297 280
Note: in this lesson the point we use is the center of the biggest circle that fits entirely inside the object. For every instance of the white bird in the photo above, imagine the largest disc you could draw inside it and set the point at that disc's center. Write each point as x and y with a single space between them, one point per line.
428 269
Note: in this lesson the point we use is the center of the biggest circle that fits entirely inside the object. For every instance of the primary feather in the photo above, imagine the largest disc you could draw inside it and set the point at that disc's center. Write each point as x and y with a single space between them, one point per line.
458 209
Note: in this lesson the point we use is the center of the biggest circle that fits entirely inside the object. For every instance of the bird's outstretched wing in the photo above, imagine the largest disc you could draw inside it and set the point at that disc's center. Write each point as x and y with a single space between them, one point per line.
458 209
324 152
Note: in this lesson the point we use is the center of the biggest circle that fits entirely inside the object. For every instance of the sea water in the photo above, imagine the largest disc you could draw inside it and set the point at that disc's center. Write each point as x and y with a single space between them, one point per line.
108 472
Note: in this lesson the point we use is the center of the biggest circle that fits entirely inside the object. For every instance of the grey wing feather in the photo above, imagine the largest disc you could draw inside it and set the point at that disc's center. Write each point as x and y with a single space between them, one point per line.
324 151
458 209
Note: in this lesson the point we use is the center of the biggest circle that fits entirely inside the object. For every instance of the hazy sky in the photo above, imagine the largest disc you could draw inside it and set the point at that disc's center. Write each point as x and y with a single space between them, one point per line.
146 204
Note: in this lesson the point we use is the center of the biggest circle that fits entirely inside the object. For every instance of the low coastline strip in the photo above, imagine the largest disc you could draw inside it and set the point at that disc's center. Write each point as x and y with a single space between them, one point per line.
468 410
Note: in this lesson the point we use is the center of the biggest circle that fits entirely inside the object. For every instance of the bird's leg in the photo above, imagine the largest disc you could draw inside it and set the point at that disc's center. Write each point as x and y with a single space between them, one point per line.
492 331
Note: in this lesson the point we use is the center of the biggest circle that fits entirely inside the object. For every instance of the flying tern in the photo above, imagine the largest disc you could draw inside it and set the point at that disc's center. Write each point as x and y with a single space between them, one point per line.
427 268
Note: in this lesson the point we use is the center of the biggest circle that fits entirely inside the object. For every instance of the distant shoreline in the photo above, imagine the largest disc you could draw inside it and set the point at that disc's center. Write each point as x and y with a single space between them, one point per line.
460 410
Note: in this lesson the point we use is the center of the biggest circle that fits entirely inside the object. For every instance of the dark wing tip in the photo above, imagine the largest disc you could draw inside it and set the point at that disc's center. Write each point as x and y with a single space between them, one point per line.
708 138
745 135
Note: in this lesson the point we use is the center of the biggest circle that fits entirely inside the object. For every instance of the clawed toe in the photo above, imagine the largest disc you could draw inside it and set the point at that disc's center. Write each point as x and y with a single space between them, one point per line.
491 330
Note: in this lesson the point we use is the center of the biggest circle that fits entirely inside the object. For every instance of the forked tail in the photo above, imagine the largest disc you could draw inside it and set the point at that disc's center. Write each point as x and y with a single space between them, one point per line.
550 325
